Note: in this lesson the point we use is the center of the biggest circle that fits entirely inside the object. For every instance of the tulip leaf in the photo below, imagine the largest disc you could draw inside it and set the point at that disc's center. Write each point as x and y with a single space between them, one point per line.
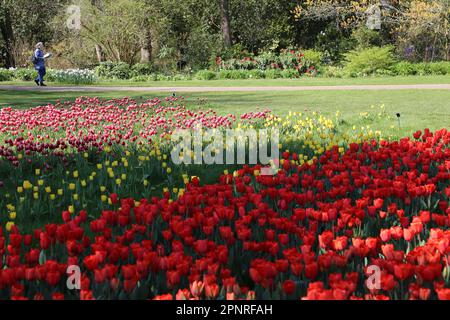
42 257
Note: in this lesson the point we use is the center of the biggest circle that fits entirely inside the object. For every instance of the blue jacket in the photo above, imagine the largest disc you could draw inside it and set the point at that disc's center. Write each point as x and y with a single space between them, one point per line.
39 54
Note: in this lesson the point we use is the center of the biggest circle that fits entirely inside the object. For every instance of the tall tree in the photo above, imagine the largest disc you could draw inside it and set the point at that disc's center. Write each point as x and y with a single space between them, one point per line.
146 45
98 48
115 27
7 33
23 23
225 23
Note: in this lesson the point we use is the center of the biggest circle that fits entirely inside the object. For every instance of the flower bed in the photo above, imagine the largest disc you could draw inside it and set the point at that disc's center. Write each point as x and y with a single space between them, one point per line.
90 185
310 232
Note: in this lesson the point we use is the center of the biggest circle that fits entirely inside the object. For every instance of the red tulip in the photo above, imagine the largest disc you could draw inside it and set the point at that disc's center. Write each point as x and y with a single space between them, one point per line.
289 287
114 198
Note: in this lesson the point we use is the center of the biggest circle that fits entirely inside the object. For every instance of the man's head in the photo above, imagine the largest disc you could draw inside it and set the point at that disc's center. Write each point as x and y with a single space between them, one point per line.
39 45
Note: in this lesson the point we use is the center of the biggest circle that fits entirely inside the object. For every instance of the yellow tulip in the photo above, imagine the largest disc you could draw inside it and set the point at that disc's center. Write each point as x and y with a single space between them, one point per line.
27 185
9 225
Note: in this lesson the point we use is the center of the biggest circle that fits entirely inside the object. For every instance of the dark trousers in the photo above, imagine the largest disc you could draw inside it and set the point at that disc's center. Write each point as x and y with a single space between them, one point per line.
41 73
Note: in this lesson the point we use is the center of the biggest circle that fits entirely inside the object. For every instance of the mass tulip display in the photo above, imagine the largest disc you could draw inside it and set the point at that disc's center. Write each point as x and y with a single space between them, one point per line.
349 215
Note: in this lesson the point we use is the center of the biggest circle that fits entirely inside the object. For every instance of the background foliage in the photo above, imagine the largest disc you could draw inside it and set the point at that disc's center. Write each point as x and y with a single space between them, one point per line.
174 36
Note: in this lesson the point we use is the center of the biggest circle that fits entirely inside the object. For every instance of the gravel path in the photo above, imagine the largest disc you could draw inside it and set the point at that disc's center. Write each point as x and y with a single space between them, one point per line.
229 89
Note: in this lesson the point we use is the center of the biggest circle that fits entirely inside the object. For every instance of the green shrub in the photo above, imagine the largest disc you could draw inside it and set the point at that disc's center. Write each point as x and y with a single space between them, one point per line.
240 74
290 73
181 77
141 69
313 58
50 75
365 37
440 68
233 74
333 72
404 68
369 61
224 74
290 59
265 59
384 72
6 74
114 70
256 74
25 74
273 73
141 78
424 68
205 75
163 77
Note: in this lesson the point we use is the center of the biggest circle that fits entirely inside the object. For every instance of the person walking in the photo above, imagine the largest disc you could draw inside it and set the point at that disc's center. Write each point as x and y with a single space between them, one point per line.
39 64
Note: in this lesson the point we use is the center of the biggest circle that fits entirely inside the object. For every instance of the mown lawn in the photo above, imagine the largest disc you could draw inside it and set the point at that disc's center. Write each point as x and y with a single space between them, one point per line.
305 81
418 108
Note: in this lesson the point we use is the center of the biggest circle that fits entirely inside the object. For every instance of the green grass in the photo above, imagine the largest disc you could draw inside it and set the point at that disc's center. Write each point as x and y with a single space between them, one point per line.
318 81
418 108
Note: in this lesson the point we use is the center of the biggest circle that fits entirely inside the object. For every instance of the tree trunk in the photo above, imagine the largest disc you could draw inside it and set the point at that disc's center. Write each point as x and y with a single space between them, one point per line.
8 37
146 48
225 23
98 48
99 52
